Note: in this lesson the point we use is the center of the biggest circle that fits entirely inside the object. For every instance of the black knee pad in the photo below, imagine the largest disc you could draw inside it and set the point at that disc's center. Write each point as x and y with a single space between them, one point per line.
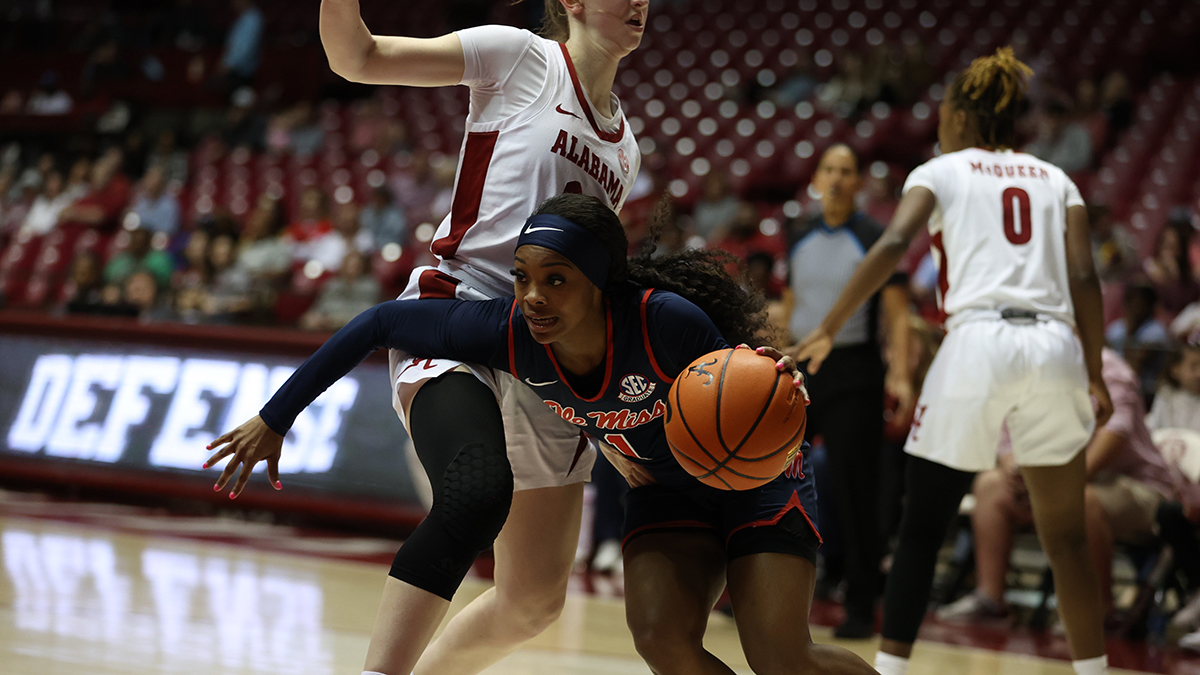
476 495
475 498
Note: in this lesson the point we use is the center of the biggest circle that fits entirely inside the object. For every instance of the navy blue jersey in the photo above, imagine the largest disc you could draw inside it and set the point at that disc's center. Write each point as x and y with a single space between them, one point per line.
652 337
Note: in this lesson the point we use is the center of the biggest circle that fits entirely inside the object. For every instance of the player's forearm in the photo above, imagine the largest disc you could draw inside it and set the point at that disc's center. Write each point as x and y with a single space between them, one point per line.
1089 319
1100 452
347 41
895 311
872 273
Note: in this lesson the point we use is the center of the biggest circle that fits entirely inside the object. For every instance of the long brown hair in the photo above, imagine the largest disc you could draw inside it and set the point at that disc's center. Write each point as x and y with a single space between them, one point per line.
554 23
992 90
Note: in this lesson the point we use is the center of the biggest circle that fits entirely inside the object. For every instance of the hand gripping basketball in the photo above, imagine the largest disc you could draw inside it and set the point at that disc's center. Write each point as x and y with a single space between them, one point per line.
736 417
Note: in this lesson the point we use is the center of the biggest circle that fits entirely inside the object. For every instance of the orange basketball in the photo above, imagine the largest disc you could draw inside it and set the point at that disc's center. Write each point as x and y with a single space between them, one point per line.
733 421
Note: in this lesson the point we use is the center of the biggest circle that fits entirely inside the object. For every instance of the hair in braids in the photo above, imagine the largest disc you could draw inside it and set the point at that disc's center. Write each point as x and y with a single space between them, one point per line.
699 276
992 90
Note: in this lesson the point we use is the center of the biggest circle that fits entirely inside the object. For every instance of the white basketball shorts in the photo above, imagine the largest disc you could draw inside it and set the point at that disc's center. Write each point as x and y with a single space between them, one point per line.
1029 374
543 449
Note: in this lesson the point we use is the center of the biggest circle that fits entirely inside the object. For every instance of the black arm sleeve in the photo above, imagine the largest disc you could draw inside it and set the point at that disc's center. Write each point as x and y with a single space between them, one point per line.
680 332
453 329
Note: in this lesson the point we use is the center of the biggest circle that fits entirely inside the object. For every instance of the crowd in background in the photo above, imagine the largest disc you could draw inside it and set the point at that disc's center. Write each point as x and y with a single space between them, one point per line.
314 260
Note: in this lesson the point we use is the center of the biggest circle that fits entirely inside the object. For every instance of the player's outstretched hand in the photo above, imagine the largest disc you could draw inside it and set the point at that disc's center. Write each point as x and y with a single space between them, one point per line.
635 474
784 364
249 444
1104 404
814 348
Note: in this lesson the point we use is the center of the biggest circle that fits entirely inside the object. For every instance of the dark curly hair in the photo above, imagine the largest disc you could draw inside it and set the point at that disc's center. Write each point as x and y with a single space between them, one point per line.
699 276
992 90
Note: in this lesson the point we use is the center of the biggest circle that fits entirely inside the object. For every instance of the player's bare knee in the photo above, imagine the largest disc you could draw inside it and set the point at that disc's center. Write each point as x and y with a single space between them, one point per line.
664 640
532 613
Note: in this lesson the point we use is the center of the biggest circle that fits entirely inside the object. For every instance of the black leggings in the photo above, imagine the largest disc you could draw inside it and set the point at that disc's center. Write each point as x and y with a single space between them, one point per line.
932 495
458 434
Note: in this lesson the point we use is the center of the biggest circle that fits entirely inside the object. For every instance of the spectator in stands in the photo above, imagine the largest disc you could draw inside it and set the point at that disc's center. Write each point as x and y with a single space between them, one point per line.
342 298
382 220
103 68
140 255
1177 399
49 98
746 235
415 188
156 208
797 85
229 292
79 178
1061 141
243 127
16 199
330 249
1113 248
1116 102
143 297
262 253
1128 480
1170 269
879 195
851 90
102 207
847 394
239 60
1138 336
296 130
47 207
172 160
714 213
85 283
1088 113
311 223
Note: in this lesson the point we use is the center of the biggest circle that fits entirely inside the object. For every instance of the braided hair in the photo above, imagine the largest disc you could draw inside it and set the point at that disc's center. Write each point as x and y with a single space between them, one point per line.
699 276
992 90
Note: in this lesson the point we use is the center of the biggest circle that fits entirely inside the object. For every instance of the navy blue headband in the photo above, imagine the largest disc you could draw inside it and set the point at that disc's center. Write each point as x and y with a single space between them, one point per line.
573 241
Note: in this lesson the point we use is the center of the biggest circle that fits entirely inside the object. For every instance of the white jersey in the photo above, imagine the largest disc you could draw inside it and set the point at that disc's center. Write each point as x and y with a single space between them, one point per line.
999 231
532 133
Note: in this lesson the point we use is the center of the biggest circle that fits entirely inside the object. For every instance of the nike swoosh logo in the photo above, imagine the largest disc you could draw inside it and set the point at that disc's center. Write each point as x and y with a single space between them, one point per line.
539 384
531 228
559 109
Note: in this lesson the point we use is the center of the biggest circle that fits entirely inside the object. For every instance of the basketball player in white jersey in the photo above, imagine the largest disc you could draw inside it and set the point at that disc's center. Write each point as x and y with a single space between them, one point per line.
542 121
1017 283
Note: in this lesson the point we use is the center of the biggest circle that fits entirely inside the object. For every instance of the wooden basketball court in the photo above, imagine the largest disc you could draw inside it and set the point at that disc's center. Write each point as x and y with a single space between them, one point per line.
101 589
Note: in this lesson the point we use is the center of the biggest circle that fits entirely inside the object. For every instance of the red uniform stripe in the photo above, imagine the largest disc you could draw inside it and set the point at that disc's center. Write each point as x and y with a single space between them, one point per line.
646 340
468 193
793 503
436 285
609 136
943 280
512 342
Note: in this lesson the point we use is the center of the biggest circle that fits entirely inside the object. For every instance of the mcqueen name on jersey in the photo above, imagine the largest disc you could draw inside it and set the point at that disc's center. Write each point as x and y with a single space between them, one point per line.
568 146
1009 171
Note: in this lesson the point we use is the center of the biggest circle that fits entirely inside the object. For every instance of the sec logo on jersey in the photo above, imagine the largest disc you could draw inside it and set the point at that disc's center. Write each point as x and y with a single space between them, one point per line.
623 160
635 388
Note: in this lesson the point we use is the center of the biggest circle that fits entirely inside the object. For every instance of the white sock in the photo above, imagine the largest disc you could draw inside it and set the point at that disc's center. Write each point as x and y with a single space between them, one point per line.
1096 666
889 664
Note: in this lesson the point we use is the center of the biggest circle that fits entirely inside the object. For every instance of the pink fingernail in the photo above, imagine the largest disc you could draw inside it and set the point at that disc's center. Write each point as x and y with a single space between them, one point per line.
204 465
278 485
232 496
217 488
208 447
759 350
778 366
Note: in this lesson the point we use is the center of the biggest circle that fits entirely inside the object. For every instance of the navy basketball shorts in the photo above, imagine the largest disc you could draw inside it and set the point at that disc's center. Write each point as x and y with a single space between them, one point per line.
779 517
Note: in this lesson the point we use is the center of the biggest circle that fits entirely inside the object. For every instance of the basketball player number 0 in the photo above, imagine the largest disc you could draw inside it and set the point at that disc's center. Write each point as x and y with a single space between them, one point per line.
1017 232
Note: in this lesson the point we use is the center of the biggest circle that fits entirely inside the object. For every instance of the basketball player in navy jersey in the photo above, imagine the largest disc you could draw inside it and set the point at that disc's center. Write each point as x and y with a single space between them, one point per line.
601 338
